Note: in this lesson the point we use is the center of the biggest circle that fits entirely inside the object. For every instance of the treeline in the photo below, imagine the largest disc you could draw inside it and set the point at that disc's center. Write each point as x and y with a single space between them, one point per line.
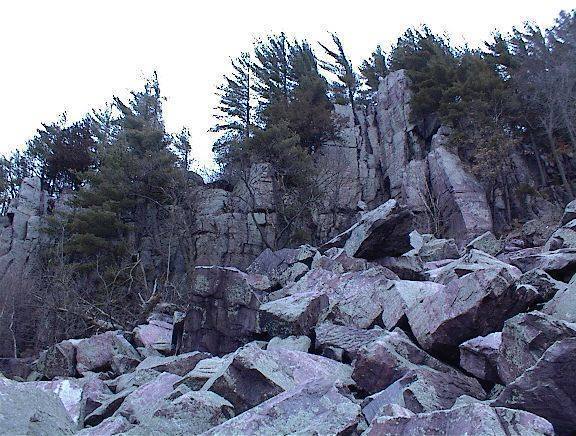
515 95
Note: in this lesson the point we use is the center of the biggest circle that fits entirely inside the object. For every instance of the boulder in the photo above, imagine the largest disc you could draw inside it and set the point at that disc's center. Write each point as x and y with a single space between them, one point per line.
479 356
548 388
402 295
431 249
223 311
476 304
372 408
337 261
296 343
486 242
96 353
204 370
94 394
108 407
69 391
191 413
381 232
470 419
154 335
564 237
525 338
316 407
560 264
540 281
569 212
563 304
389 358
27 410
348 339
57 361
110 426
179 365
407 267
293 315
144 400
425 390
252 375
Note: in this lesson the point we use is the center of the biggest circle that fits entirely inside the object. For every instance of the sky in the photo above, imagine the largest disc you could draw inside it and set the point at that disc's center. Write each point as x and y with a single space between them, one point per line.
73 55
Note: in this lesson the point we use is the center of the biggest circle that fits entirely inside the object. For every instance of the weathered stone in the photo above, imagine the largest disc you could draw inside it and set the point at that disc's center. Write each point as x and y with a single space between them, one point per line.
204 370
153 335
563 304
296 343
389 358
57 361
110 426
96 353
179 365
191 413
27 410
407 267
133 379
479 356
424 390
69 391
316 407
107 408
223 312
541 282
548 388
372 408
470 419
486 242
461 199
144 400
525 338
560 264
347 339
94 394
430 249
381 232
293 315
251 375
402 295
476 304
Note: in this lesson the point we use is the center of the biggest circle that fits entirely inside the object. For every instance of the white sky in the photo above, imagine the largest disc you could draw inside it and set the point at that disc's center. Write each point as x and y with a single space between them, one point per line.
73 55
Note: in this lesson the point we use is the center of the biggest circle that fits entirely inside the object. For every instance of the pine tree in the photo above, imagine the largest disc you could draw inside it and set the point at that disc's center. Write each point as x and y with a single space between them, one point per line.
342 68
374 68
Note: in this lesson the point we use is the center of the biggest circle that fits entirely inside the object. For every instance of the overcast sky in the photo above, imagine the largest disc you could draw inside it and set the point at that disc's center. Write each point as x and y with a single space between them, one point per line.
75 55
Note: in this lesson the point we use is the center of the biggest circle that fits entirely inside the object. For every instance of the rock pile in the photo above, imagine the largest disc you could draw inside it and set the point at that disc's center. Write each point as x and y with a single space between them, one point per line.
331 341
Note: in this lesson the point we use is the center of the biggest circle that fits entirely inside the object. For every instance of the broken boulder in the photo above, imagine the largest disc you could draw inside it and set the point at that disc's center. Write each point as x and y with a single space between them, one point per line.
479 356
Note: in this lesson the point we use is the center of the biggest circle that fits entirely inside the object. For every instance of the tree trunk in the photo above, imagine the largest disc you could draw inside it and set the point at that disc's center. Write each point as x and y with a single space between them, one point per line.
559 164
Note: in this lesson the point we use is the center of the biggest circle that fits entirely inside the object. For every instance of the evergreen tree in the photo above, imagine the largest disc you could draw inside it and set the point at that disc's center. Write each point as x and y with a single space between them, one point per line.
374 68
342 68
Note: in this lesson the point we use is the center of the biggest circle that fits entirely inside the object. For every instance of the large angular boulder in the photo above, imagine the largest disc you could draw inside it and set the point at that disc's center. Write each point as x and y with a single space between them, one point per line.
110 426
540 281
293 315
144 400
179 365
381 232
316 407
560 264
488 243
563 304
479 356
57 361
402 295
353 298
252 375
107 408
425 390
97 352
525 338
349 339
431 249
25 409
548 388
473 305
389 358
191 413
564 237
296 343
204 371
156 335
407 267
69 391
470 419
223 311
95 392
